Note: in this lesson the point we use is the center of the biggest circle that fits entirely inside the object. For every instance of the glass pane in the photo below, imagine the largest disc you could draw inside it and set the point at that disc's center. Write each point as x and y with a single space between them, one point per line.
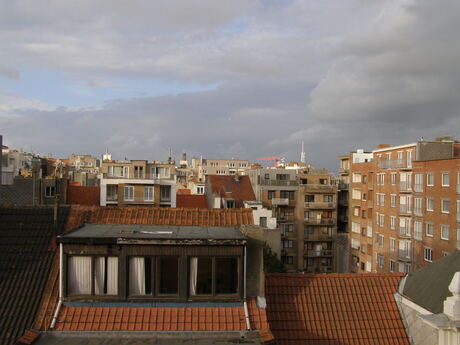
201 276
79 275
168 275
226 275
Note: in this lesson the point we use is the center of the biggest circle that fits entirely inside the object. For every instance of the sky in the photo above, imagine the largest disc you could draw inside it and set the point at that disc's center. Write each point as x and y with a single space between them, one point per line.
227 79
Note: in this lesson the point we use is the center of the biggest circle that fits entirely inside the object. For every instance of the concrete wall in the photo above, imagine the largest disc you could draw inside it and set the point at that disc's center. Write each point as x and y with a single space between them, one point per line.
419 332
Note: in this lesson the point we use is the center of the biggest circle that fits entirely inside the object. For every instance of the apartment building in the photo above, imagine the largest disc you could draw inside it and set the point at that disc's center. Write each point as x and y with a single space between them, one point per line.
405 206
317 233
83 169
204 166
137 182
278 190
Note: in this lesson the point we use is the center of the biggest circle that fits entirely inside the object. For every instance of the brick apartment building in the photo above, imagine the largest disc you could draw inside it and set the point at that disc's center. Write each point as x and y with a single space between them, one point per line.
304 202
404 208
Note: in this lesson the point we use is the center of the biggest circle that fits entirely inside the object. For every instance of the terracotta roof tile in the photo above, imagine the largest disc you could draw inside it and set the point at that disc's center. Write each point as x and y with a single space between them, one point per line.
228 186
191 201
334 309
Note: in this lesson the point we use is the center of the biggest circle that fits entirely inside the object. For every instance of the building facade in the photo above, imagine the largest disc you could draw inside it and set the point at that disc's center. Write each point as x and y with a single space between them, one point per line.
405 206
137 182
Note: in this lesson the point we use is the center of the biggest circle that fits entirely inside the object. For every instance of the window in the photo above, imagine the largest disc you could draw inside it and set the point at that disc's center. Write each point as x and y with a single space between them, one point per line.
380 240
328 198
288 243
380 179
418 205
380 261
266 176
165 193
213 276
138 171
418 226
368 266
356 212
263 222
393 179
309 198
148 193
381 219
271 194
444 232
393 200
392 222
364 214
429 229
356 227
286 194
356 178
392 244
392 266
128 193
92 275
168 275
161 172
445 179
430 204
287 260
364 179
430 179
230 203
355 243
50 191
418 186
445 204
364 196
428 254
118 171
200 190
356 194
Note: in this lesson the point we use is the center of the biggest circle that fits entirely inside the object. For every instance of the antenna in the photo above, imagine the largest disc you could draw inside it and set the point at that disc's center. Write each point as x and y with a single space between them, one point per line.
302 155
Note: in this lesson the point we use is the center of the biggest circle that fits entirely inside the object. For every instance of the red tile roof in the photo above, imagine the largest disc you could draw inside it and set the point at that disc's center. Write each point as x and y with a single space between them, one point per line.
163 319
191 201
228 186
159 216
133 215
328 309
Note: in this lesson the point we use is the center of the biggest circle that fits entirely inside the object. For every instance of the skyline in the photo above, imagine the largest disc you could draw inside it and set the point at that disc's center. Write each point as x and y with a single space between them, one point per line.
241 79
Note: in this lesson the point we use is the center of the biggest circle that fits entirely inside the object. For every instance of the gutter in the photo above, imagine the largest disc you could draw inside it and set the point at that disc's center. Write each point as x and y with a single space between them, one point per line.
245 304
59 305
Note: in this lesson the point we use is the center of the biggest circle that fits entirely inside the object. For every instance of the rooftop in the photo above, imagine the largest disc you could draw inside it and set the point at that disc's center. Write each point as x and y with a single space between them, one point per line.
343 309
191 201
238 188
153 232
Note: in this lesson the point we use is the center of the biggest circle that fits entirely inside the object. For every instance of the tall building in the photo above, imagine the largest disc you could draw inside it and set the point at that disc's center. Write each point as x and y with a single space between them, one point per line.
405 206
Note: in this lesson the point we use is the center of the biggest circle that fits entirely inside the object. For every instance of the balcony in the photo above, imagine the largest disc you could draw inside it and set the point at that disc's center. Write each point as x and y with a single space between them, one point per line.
395 164
318 237
320 205
404 255
404 232
112 198
280 201
405 187
344 171
280 218
418 212
418 188
319 188
281 183
323 221
318 253
405 209
343 186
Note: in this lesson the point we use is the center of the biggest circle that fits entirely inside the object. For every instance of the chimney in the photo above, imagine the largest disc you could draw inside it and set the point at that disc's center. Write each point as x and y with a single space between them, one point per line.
452 304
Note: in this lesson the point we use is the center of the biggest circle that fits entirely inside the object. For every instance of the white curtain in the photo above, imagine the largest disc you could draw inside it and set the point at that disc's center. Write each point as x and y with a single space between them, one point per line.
193 275
136 276
112 276
79 275
99 279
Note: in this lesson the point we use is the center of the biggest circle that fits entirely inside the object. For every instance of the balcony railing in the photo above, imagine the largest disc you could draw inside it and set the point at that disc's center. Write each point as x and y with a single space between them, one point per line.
319 205
395 164
405 186
318 253
284 218
418 211
418 188
404 232
404 254
319 188
112 197
405 209
323 221
318 237
280 201
279 183
343 186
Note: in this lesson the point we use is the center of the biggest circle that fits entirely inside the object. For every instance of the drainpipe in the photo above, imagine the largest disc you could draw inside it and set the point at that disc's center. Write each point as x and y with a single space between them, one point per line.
245 304
58 308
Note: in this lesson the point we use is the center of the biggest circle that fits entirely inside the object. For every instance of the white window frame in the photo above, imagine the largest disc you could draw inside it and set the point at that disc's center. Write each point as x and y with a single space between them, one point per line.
148 193
380 260
392 265
445 183
430 208
428 254
429 226
445 202
430 179
130 194
392 222
393 200
392 244
393 178
443 234
418 230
